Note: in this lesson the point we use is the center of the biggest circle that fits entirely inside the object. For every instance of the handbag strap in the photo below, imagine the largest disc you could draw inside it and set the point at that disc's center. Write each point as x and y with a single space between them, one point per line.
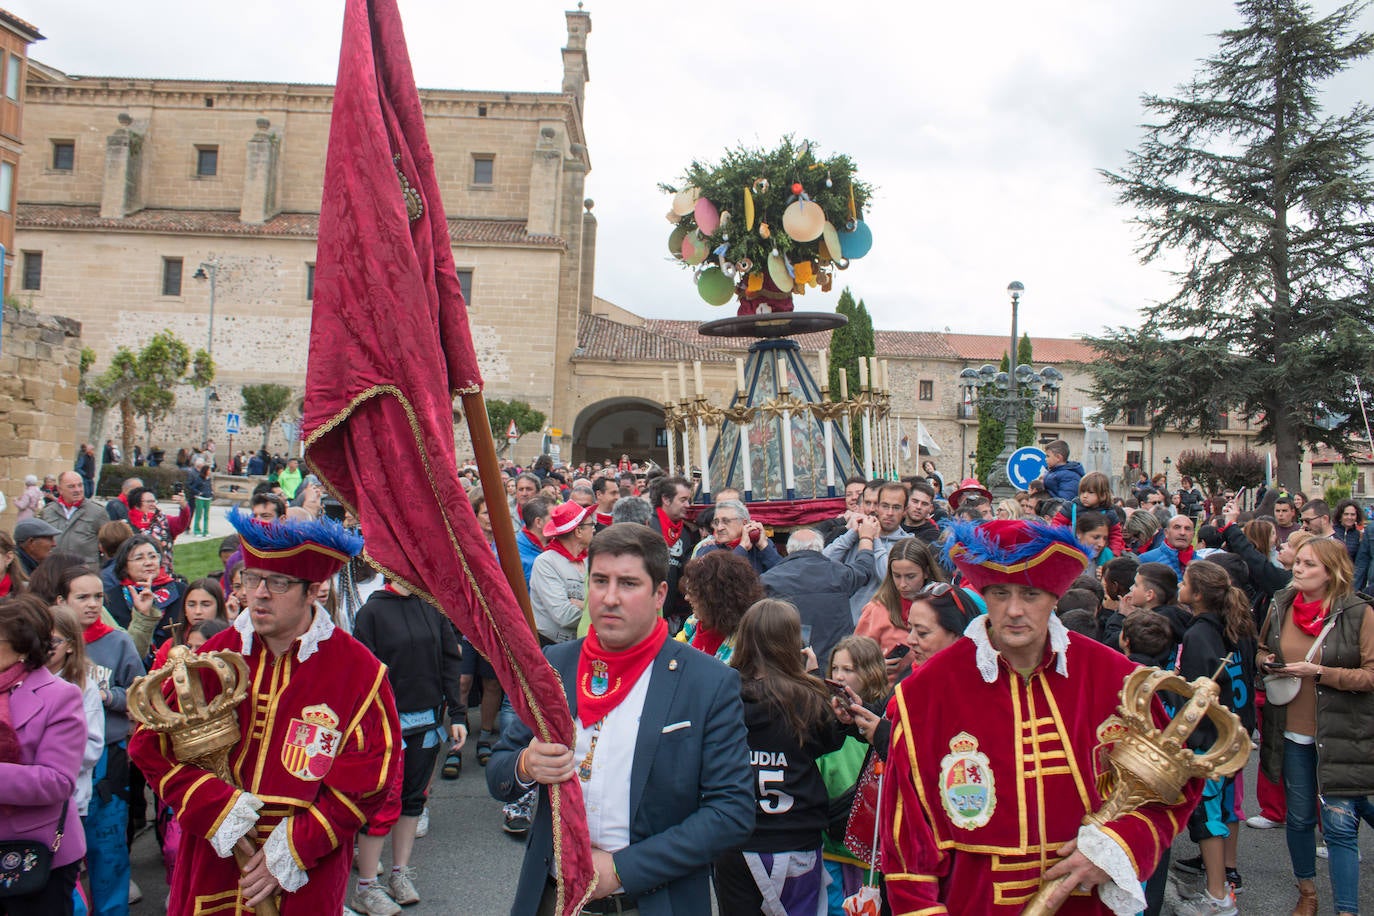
1321 637
61 827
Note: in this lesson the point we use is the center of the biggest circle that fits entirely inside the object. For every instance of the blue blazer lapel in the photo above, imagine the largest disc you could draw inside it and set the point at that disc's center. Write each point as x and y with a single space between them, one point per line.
663 686
567 673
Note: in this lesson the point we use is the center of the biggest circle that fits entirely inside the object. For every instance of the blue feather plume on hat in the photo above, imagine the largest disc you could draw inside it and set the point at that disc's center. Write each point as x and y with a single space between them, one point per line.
979 548
283 535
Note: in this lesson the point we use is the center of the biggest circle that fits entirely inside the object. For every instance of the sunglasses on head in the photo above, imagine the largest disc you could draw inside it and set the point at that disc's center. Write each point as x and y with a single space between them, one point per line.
940 589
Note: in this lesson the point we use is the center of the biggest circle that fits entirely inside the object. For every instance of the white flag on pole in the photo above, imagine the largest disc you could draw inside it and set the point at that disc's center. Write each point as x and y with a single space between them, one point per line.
925 440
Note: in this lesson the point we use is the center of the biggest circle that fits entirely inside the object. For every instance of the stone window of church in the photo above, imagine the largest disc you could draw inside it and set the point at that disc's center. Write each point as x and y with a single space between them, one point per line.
171 276
926 392
483 169
63 155
465 282
310 283
207 161
33 270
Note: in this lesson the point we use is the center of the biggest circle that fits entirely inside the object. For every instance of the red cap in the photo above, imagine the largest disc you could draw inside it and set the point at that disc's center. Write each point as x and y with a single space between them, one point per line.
565 518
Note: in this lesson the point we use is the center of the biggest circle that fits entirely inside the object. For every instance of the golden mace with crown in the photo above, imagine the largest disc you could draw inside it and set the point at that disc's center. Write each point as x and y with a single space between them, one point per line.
1151 766
202 732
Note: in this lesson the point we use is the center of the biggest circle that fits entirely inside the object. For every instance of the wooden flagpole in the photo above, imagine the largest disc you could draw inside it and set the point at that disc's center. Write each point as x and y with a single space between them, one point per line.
494 489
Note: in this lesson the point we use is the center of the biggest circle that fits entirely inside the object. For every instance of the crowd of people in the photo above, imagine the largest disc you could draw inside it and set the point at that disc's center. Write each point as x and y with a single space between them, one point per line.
785 721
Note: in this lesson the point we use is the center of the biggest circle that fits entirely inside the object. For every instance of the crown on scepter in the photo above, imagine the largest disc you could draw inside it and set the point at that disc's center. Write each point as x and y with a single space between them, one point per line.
1151 765
200 730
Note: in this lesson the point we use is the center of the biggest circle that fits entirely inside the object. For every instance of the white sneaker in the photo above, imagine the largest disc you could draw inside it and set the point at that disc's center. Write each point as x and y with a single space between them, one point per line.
372 901
1322 852
1260 822
422 827
1207 905
135 892
402 886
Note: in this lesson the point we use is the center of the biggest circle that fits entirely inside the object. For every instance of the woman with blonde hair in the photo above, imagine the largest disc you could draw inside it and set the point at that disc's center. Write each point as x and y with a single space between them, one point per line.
1321 743
910 565
1008 509
68 661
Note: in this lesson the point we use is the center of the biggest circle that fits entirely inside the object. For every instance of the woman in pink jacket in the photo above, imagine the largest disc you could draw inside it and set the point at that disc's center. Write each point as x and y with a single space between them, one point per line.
42 734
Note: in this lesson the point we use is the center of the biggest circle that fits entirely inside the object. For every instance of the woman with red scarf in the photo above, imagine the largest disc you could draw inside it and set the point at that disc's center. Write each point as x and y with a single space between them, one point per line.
720 587
147 518
115 663
137 583
1324 737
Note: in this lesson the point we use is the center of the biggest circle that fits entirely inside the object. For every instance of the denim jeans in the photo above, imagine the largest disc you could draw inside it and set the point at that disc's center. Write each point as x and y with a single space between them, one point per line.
1341 824
1300 789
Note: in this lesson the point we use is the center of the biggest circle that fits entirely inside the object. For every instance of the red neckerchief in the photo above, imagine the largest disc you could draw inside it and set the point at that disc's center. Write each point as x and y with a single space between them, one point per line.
1309 615
604 520
96 630
5 585
906 608
604 678
124 498
160 595
67 505
707 639
732 545
671 530
139 519
1185 556
556 545
531 538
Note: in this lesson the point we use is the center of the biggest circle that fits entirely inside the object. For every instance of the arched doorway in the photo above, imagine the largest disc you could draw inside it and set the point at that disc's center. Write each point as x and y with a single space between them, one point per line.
620 426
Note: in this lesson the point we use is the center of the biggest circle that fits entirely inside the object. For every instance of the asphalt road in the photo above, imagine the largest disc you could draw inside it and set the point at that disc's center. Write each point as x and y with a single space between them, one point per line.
468 866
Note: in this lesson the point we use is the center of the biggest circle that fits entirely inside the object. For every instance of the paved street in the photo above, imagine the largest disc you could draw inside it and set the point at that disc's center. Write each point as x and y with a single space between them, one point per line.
468 866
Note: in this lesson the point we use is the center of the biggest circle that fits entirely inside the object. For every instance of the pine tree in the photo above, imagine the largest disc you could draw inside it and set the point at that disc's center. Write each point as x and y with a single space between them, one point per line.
1268 203
1025 430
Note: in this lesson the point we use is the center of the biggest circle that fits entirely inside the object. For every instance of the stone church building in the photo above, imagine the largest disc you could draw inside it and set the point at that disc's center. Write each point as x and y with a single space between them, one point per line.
193 205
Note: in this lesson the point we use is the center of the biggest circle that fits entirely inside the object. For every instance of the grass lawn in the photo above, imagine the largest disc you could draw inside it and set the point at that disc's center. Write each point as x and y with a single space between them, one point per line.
197 559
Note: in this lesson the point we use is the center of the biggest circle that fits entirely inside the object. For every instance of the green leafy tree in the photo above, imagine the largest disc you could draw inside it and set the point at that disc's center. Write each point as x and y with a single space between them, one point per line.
1268 203
165 362
501 413
848 345
1025 430
262 404
139 383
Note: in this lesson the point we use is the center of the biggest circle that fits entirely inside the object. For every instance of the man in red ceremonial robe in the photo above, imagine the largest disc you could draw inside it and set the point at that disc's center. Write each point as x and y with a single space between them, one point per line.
999 749
320 750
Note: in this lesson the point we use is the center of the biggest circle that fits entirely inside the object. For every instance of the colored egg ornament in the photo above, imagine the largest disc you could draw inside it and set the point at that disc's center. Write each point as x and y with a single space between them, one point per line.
856 244
803 220
694 249
685 200
675 240
715 287
707 216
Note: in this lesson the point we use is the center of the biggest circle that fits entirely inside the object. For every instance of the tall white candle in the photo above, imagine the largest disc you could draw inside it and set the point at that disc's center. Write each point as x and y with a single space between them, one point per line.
873 371
744 457
782 373
739 375
682 380
667 391
825 369
705 458
788 471
863 374
696 376
844 384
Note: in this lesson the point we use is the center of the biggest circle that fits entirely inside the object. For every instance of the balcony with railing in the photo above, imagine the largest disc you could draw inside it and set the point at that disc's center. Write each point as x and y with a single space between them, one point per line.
1049 415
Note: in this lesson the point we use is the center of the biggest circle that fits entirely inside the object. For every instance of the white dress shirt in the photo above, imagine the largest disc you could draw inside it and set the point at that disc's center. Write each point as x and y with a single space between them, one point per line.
606 795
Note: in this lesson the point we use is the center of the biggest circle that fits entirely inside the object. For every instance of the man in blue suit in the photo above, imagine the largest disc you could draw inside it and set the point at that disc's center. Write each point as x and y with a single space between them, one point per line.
661 747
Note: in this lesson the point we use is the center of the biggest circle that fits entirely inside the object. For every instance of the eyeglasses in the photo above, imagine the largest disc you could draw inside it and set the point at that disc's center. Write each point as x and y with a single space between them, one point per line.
277 585
1308 520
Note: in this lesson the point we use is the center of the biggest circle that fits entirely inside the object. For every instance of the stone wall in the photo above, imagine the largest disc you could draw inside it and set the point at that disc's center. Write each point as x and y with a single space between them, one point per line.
40 366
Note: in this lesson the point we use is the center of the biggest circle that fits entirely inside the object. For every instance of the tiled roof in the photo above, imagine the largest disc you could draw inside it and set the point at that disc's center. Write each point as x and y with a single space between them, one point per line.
890 344
19 24
226 222
599 337
990 347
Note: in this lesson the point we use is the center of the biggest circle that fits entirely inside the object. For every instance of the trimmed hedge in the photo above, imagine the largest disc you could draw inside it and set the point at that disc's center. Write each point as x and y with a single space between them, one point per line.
160 479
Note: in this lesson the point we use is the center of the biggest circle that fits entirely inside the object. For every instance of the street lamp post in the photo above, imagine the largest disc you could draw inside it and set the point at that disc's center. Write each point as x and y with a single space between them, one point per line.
1010 395
207 271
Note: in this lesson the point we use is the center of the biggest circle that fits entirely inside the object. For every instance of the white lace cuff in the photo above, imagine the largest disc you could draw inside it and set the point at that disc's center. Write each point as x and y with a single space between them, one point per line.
240 819
281 863
1123 895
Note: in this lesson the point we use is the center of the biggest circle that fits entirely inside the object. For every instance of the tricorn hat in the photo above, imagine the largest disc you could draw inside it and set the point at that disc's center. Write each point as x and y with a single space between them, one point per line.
312 551
1016 552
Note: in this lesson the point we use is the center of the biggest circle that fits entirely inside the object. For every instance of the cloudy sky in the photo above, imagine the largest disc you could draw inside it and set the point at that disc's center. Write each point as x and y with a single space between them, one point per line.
981 125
